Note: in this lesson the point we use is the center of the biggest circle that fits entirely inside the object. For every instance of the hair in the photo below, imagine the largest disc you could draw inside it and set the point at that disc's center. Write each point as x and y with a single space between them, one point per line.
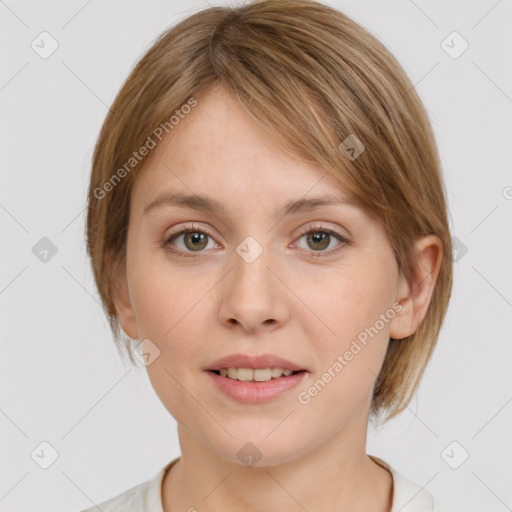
310 77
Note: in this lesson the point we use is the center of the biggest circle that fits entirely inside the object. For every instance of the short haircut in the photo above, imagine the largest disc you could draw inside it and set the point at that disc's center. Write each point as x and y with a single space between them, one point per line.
316 81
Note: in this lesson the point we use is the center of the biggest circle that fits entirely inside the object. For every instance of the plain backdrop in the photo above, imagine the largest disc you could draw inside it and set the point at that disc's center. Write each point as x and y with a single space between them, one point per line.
61 380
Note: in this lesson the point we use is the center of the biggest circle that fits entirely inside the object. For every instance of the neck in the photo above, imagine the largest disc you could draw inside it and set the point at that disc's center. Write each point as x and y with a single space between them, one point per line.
339 479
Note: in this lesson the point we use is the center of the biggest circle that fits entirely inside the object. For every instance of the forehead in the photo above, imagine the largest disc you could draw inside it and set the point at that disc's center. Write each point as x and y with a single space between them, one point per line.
218 148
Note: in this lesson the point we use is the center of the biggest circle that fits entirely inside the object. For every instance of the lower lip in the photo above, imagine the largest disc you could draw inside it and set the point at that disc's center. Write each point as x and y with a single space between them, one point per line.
256 392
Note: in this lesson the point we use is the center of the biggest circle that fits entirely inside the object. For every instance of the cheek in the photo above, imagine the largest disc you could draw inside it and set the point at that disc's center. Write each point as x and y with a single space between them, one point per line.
350 348
164 299
168 309
175 314
345 318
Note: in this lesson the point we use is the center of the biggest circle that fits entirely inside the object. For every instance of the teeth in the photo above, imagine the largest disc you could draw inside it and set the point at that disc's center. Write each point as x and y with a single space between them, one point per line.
259 374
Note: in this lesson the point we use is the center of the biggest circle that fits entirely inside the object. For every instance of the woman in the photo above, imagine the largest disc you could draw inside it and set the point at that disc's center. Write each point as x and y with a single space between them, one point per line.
267 223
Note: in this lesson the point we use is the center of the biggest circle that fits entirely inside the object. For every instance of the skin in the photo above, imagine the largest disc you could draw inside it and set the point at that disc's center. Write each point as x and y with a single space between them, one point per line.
287 302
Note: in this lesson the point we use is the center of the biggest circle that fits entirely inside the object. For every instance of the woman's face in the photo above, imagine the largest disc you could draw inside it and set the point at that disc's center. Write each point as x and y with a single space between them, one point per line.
250 281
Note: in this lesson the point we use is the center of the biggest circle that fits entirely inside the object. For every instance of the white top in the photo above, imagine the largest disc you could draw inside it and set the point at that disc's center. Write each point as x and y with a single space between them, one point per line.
147 496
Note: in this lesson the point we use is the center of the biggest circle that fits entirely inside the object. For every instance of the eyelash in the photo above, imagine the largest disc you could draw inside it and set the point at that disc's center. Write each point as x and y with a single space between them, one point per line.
317 228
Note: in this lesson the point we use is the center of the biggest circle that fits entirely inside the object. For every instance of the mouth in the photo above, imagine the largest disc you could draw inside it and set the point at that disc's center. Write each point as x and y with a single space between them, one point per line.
255 374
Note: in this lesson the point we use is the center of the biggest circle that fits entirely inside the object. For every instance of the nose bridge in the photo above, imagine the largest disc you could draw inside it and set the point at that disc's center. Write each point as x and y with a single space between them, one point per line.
252 296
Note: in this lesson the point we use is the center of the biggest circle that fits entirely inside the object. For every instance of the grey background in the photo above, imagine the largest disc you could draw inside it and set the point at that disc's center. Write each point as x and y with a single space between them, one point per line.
61 379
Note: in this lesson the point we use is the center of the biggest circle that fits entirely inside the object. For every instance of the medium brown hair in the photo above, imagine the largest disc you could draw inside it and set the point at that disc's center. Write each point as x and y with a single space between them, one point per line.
311 77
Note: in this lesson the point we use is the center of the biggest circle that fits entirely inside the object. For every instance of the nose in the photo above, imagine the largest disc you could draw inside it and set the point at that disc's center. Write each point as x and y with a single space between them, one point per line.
252 296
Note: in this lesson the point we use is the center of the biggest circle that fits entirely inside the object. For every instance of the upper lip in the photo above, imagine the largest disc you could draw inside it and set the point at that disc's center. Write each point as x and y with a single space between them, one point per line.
254 361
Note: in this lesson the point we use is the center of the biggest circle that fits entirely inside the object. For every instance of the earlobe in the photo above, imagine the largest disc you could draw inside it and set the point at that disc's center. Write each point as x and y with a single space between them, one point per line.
121 296
415 297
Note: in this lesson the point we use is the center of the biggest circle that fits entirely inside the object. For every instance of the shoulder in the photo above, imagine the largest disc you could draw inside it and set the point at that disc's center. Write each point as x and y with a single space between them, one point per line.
134 499
144 497
408 496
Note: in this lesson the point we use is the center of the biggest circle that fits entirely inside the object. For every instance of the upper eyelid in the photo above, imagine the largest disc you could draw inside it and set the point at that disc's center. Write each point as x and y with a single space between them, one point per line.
321 227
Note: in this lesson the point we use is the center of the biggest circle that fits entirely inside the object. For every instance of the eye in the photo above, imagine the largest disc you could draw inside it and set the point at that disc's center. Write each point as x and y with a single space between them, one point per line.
194 240
319 238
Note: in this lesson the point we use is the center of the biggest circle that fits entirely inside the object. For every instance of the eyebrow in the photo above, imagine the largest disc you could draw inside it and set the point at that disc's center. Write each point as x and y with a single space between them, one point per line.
204 203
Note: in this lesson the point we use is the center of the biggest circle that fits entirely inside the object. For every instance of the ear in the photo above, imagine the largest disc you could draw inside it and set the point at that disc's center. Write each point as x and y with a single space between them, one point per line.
415 297
123 305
